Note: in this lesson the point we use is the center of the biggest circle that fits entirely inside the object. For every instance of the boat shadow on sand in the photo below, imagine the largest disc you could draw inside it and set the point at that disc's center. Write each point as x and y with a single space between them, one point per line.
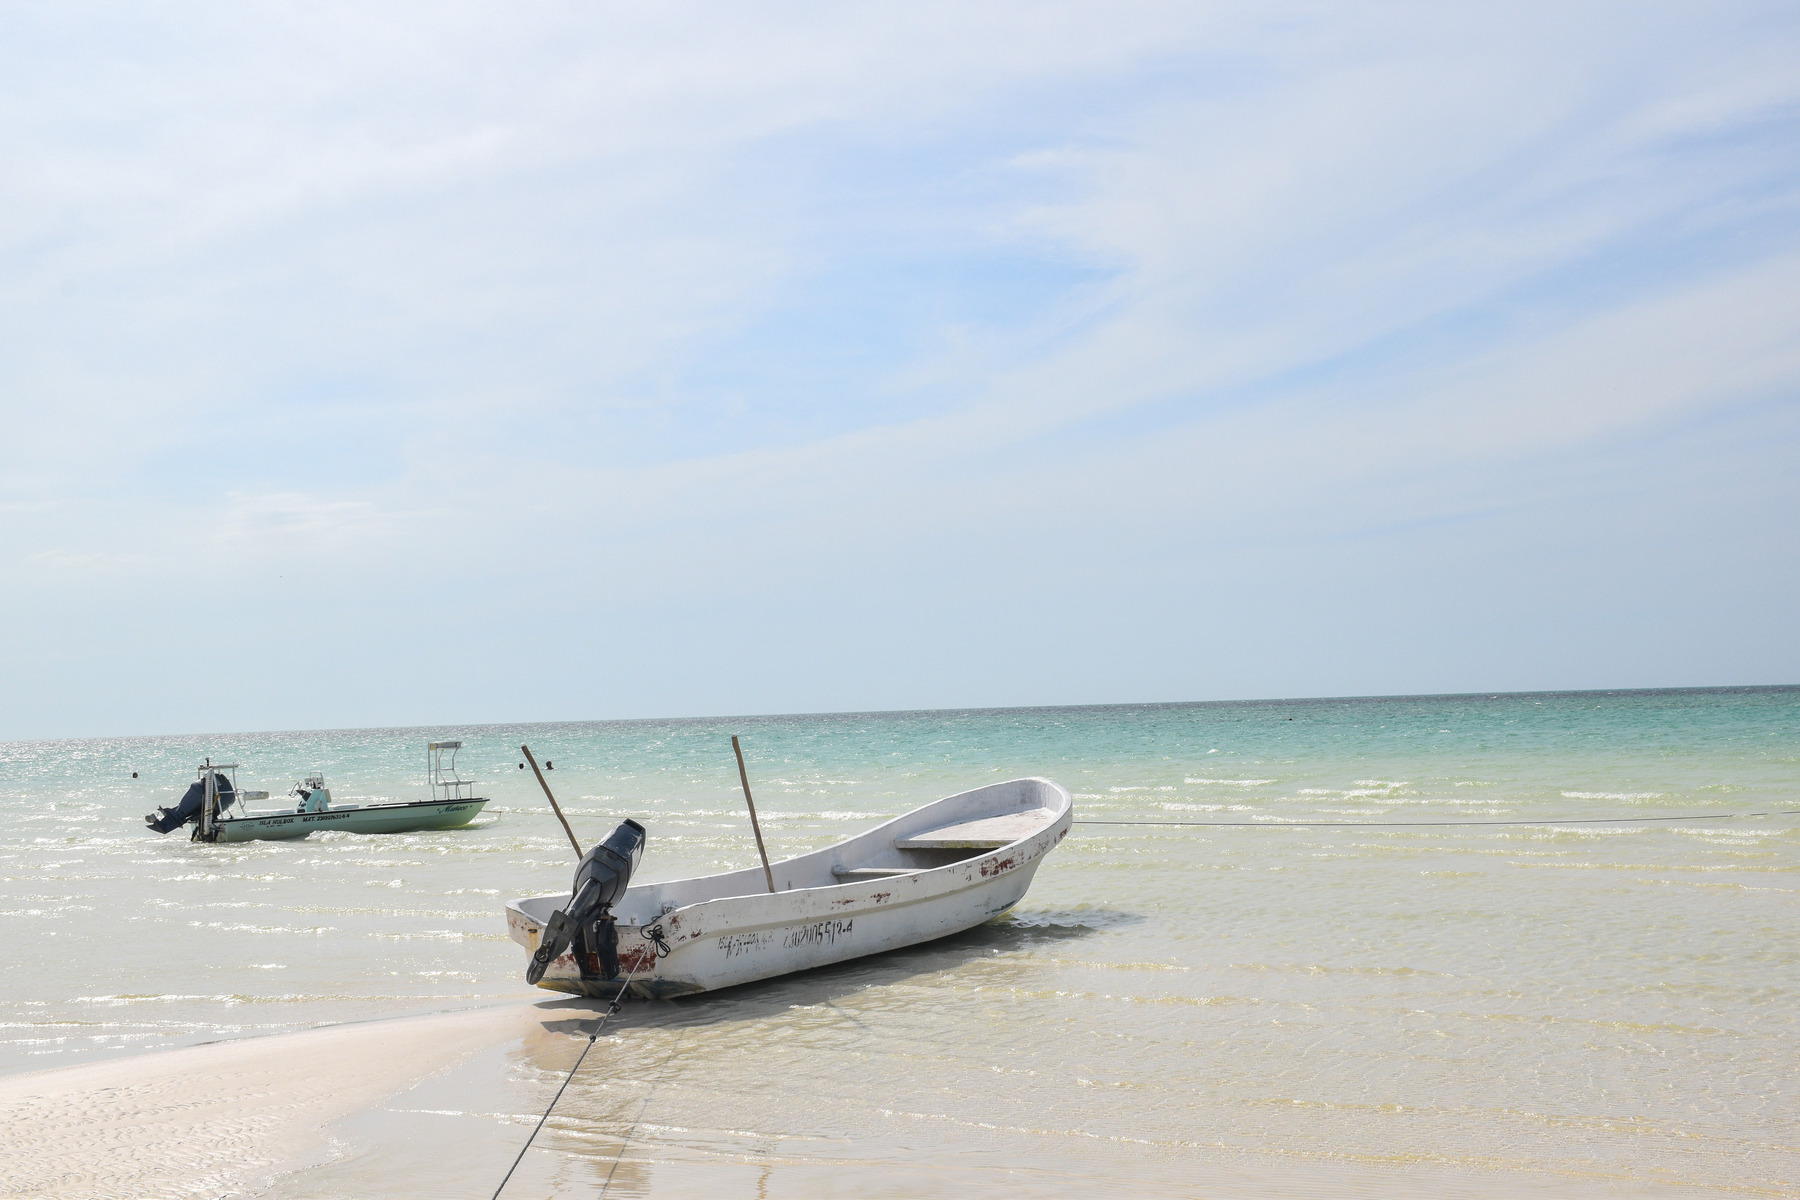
825 985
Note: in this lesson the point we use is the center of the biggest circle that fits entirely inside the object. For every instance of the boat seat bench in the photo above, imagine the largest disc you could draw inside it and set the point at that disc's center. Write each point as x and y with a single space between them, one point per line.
988 833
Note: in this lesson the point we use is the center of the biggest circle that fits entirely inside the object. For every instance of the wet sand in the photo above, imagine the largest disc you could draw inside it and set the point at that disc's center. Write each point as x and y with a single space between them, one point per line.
432 1106
229 1118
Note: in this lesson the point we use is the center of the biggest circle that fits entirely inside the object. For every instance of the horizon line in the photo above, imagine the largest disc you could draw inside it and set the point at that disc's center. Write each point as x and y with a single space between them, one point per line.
847 714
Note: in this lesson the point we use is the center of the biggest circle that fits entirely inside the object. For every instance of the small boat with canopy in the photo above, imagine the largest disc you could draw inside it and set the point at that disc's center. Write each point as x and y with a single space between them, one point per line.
220 811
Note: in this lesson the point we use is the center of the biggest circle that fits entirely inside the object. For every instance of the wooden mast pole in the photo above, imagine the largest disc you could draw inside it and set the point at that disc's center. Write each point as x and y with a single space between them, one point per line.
209 800
554 806
754 827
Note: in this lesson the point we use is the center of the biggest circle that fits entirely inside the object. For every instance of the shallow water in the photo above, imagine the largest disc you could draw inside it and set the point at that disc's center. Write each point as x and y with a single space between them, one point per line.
1544 1004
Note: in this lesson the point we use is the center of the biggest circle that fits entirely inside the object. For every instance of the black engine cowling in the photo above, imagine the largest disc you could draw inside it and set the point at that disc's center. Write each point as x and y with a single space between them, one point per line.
600 879
166 820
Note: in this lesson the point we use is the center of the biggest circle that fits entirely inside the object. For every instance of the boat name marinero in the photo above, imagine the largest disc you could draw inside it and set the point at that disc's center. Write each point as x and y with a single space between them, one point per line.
821 933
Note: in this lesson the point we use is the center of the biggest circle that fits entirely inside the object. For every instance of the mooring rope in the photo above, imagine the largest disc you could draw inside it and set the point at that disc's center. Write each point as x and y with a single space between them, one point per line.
1781 812
592 1038
639 1120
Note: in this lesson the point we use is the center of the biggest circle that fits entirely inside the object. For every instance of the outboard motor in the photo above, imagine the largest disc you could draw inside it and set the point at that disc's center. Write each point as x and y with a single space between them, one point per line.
167 820
601 878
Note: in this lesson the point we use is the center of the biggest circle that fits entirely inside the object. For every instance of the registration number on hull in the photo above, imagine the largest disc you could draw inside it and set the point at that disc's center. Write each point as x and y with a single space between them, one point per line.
815 933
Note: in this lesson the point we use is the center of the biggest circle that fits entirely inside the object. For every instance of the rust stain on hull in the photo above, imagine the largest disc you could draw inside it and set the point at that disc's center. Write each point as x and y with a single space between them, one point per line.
642 961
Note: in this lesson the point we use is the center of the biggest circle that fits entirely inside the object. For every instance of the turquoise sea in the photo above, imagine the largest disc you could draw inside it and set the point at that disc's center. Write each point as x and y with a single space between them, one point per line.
1538 1006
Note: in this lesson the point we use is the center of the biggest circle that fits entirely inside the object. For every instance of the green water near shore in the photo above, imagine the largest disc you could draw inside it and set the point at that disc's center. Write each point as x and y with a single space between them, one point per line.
1614 1002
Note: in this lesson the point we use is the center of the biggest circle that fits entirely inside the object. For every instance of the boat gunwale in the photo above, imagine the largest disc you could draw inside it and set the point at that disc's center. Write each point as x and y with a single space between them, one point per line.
352 810
1063 816
386 818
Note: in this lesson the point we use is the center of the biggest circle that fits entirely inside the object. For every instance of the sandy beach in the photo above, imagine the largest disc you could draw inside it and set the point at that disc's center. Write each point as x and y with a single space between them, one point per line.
326 1112
438 1105
231 1117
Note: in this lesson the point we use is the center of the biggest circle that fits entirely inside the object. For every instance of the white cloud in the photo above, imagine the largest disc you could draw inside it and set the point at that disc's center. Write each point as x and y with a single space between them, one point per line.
643 308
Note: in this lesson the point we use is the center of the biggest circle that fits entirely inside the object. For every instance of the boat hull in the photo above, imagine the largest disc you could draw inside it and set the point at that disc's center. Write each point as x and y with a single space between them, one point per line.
374 818
735 939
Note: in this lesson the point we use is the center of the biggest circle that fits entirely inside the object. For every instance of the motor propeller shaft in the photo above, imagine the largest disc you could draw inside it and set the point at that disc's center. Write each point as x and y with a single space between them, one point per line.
600 880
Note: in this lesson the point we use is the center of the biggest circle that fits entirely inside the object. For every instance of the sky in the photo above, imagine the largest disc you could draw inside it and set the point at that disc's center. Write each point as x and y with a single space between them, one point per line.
397 365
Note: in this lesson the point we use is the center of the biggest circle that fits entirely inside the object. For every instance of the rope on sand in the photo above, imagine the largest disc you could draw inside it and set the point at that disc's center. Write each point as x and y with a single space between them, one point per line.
592 1037
642 1108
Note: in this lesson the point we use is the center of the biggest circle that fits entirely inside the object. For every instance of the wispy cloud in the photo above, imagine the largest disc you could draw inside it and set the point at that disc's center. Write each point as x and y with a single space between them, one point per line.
919 337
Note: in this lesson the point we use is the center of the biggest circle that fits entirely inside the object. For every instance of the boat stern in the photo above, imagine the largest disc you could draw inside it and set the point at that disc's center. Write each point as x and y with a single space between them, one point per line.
638 956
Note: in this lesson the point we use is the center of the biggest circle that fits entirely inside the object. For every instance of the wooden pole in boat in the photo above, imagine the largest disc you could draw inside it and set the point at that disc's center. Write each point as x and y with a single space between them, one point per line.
754 827
209 801
554 806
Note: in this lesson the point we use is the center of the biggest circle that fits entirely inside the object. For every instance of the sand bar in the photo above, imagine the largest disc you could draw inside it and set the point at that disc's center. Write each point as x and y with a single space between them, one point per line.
229 1117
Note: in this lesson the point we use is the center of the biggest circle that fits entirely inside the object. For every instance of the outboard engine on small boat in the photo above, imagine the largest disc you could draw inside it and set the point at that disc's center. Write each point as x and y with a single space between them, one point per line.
167 820
601 878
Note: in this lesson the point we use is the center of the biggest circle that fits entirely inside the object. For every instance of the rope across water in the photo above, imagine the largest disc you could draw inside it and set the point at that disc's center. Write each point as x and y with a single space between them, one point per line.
1780 812
592 1038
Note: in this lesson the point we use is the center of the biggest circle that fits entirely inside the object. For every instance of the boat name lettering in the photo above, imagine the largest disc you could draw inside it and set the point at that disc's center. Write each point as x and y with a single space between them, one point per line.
745 943
822 933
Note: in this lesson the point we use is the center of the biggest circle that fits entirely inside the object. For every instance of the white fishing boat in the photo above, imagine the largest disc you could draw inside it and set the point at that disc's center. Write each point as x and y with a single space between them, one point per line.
220 812
938 870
